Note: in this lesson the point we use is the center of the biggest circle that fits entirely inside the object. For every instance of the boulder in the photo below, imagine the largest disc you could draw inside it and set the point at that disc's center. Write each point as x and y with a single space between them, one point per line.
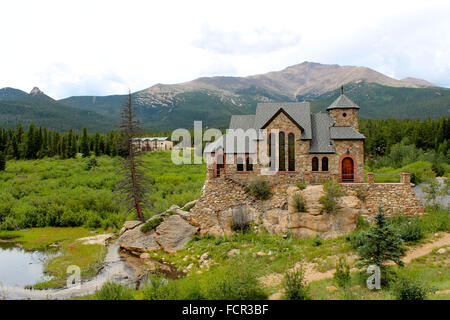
184 214
233 252
174 208
136 240
174 233
276 221
442 251
129 225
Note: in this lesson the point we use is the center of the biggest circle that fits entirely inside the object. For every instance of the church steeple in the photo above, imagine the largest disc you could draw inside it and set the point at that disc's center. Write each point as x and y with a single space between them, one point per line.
344 111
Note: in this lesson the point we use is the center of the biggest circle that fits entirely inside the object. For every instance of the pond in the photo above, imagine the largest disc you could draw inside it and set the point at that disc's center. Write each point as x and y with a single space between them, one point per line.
20 268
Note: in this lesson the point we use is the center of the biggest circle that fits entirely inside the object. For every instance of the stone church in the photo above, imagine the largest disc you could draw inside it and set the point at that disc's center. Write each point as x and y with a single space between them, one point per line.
309 147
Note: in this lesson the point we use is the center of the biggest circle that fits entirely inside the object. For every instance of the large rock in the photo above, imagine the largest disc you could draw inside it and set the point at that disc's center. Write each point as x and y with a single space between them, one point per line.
136 240
174 233
276 221
128 225
314 222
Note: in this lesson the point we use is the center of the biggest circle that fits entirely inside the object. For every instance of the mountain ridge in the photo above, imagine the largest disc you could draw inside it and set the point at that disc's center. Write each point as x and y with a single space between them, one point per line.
214 99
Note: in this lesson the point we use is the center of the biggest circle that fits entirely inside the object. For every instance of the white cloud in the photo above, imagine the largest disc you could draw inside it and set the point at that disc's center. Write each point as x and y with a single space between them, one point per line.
105 47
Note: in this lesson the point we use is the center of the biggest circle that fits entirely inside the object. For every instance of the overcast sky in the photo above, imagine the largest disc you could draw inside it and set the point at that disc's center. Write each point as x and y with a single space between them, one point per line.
105 47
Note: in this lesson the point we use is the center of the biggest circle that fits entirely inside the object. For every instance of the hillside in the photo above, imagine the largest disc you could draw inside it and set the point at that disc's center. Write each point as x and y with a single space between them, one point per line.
19 107
214 99
381 102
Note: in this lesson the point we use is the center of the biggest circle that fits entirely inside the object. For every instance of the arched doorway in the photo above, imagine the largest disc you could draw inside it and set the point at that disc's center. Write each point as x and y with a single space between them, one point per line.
220 164
348 173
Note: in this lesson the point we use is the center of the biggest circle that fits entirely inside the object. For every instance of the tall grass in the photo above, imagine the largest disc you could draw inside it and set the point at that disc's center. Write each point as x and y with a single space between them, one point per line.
67 193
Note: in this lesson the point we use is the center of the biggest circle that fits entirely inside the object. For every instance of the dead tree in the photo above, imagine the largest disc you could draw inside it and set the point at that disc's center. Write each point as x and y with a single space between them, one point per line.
133 182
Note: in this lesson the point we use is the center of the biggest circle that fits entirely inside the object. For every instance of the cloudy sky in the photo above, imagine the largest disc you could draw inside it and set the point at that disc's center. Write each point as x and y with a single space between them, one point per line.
105 47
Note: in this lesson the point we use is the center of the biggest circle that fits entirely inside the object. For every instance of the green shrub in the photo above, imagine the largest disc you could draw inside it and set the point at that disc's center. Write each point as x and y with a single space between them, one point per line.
259 189
411 231
299 203
435 219
342 274
408 227
410 289
151 224
160 288
302 186
295 285
332 193
317 241
189 207
363 224
235 282
114 291
92 163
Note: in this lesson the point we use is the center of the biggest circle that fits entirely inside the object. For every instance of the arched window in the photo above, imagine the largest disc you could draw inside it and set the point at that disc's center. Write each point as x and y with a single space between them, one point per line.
249 163
247 144
240 164
271 141
281 153
324 164
291 152
315 164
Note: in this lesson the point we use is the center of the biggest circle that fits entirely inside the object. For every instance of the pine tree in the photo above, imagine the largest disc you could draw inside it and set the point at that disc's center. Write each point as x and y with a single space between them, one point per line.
30 147
71 144
97 144
381 244
2 161
133 183
84 147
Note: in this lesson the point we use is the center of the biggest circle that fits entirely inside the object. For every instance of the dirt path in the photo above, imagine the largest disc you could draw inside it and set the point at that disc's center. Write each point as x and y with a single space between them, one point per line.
311 274
416 252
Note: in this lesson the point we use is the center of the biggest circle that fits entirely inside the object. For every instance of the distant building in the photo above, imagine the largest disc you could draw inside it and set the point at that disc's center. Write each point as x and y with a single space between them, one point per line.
153 143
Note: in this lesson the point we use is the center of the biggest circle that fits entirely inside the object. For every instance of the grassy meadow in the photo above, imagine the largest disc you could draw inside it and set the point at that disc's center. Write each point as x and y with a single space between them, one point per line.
52 201
66 193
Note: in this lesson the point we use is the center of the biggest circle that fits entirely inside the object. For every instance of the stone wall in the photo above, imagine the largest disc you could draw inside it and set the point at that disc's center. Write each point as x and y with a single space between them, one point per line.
222 196
349 120
392 197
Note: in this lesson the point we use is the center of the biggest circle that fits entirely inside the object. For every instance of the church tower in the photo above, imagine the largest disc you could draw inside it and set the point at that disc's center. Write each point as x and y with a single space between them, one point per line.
344 111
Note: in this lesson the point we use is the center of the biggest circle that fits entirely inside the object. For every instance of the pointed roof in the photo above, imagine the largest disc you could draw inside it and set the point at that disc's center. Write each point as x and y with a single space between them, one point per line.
343 102
299 112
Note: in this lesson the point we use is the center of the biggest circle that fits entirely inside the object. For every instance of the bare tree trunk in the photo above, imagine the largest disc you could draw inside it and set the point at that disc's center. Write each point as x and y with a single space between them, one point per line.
133 182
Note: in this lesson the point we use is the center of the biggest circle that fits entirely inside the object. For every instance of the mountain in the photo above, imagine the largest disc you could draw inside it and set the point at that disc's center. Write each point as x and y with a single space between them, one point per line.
11 94
419 82
17 106
213 100
381 102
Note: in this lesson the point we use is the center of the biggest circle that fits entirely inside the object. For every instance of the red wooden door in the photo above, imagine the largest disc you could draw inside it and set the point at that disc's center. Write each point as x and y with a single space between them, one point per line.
347 170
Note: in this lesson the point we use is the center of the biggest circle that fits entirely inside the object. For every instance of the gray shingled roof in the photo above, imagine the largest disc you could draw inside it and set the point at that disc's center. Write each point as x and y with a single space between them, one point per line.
321 139
343 102
244 122
299 111
345 133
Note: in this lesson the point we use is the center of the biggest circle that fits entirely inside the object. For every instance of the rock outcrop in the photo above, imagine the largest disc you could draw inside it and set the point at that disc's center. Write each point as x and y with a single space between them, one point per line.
171 235
174 233
214 211
136 240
